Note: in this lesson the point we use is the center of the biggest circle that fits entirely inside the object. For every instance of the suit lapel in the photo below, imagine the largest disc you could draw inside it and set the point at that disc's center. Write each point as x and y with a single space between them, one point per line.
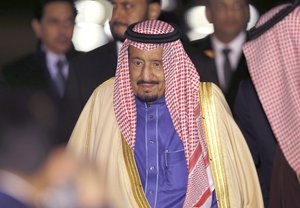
46 77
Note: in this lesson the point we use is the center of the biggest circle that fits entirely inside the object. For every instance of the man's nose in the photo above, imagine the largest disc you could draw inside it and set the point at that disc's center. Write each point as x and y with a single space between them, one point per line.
65 27
231 11
118 13
147 73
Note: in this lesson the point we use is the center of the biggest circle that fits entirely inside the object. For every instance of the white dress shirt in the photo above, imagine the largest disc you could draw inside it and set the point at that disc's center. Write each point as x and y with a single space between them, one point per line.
234 56
51 60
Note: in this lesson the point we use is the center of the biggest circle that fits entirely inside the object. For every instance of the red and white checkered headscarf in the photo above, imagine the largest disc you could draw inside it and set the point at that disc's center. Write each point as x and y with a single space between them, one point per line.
274 64
182 99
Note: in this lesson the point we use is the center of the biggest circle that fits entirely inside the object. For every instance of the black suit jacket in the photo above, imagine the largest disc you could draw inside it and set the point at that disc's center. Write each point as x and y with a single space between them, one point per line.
208 64
31 72
251 119
93 68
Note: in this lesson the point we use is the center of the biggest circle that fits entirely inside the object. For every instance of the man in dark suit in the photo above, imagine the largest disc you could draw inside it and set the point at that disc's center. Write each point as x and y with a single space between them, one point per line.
252 120
48 68
98 65
222 50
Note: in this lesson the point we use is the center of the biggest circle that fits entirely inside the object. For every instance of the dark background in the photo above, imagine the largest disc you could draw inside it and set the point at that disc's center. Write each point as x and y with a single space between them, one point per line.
17 37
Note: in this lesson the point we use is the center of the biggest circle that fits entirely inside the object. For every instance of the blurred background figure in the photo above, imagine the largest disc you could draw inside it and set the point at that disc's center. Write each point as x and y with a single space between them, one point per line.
35 169
29 148
48 69
92 23
223 49
197 25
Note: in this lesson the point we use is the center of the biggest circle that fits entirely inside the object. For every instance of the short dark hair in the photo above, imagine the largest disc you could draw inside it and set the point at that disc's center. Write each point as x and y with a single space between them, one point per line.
40 7
154 1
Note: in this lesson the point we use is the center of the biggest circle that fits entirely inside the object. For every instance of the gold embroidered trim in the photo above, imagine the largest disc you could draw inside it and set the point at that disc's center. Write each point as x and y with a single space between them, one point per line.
134 176
208 110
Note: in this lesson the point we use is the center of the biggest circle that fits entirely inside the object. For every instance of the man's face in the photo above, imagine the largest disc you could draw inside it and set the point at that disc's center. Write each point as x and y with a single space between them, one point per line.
55 29
146 73
125 13
229 17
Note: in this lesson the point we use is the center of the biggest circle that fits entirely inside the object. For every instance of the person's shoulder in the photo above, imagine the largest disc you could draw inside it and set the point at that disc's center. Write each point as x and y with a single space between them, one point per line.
195 53
29 58
73 54
27 70
21 65
202 42
99 50
105 87
204 47
96 54
104 49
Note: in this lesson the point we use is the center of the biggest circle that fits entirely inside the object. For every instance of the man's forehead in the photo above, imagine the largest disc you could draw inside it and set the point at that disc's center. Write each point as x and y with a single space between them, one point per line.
136 50
57 4
54 10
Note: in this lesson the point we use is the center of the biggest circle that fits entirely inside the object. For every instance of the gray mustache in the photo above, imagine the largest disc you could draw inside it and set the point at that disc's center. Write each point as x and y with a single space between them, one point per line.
147 82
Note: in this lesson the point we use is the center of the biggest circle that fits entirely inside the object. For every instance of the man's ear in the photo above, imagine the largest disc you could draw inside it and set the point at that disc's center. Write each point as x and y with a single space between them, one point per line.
208 15
153 11
36 26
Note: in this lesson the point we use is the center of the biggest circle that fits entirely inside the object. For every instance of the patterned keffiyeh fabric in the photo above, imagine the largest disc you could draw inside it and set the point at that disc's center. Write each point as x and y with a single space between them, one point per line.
182 98
274 61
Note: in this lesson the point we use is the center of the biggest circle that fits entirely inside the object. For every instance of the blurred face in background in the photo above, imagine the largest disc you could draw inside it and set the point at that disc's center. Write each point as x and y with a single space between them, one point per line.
229 17
127 12
55 29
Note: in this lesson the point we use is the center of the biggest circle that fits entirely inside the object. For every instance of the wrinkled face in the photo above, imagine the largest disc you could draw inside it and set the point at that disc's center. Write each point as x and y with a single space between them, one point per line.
125 13
229 17
146 73
55 29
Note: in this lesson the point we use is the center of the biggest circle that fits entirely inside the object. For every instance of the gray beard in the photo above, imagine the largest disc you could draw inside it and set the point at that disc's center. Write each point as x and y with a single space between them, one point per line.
148 98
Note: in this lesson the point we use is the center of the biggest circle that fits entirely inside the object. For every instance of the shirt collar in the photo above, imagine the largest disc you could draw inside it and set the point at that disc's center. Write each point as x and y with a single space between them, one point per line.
160 101
51 60
235 45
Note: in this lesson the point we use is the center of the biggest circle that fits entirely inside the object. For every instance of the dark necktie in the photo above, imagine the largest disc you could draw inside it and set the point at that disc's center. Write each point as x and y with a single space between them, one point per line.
227 67
60 79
